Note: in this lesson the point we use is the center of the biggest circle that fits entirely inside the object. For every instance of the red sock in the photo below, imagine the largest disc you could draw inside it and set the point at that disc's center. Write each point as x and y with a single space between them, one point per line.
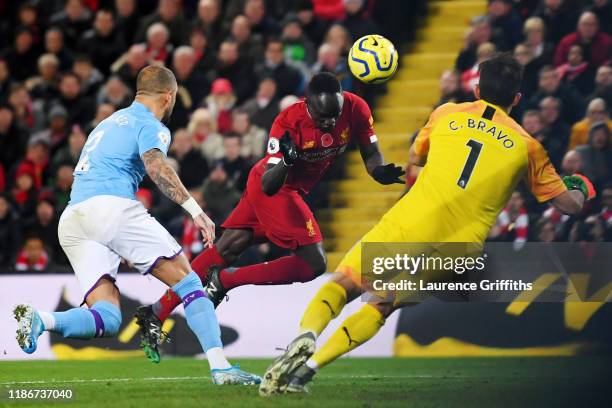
169 301
287 269
205 260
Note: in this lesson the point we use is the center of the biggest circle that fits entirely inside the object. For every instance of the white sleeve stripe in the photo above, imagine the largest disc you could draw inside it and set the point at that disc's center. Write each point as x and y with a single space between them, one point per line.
274 160
373 139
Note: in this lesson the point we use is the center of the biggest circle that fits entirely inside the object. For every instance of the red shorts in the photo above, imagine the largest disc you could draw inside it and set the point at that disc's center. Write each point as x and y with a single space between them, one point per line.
283 218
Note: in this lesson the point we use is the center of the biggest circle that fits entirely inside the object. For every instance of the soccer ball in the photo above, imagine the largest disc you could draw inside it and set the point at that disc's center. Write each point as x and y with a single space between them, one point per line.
373 59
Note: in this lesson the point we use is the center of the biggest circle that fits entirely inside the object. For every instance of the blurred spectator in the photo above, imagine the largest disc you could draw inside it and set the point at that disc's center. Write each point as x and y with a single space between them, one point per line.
127 68
204 54
210 22
250 45
606 205
145 197
287 101
24 191
252 138
220 194
512 223
572 163
22 56
102 43
588 35
524 55
10 232
288 78
554 128
5 80
297 47
560 18
54 44
13 138
115 92
193 168
158 49
470 77
44 224
220 103
255 11
478 33
62 185
263 107
79 107
545 230
596 112
314 27
203 129
603 84
169 15
597 155
232 68
357 20
56 135
505 23
549 84
32 257
70 154
103 111
340 37
20 101
192 86
28 17
577 72
534 31
192 236
592 229
44 86
74 20
126 20
236 166
450 88
91 78
329 9
328 60
534 125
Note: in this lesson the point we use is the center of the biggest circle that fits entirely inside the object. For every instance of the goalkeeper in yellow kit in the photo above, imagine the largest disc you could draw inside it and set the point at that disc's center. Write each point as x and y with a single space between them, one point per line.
473 156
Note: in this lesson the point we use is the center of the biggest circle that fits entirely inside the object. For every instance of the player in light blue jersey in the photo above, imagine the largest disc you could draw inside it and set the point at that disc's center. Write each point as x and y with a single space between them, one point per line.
104 223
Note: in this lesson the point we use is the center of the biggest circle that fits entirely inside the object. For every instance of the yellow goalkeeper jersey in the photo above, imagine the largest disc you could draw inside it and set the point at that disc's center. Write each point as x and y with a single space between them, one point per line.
476 155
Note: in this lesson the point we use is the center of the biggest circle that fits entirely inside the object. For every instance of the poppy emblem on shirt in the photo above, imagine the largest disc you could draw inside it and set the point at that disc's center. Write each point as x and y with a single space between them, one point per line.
326 140
163 137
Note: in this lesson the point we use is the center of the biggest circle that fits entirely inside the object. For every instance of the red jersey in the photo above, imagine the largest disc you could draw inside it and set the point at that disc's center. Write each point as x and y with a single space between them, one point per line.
316 149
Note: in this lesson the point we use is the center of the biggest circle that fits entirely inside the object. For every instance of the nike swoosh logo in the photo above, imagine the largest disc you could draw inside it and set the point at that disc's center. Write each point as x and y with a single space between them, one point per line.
375 43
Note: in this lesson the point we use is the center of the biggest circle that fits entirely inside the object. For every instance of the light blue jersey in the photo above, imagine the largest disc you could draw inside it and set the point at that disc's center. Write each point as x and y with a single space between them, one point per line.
110 163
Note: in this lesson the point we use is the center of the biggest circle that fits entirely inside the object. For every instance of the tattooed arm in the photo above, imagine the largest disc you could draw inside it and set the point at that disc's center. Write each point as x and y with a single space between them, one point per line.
164 176
166 179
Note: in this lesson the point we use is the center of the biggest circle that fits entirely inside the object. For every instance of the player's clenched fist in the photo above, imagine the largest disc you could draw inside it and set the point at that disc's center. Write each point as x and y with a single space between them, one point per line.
388 174
580 183
288 149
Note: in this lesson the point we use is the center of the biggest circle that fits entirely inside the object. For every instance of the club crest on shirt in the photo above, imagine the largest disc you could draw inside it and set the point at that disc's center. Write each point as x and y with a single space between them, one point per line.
310 228
327 140
163 137
273 146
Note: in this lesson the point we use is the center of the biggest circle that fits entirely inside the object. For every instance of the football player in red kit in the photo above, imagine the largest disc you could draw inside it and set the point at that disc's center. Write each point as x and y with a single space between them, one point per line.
305 139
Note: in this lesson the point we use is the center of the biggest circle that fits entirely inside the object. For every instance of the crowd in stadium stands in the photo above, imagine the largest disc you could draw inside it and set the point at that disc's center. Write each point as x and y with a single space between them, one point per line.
565 47
66 65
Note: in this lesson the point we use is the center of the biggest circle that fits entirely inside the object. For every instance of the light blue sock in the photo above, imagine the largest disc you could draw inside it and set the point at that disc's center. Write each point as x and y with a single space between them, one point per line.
199 311
103 319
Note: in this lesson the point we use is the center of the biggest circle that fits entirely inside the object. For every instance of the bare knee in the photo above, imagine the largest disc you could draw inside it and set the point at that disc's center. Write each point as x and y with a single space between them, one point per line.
233 243
172 271
314 255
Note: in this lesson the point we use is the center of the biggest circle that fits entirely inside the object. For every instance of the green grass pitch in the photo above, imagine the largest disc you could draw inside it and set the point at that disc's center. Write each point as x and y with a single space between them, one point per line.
420 382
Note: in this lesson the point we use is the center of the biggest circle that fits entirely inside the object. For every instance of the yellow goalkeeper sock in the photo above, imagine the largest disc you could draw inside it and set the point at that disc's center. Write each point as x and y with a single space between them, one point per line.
356 330
326 305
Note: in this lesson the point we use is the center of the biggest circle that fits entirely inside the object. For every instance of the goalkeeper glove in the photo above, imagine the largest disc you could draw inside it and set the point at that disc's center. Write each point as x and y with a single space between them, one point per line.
388 174
580 183
287 149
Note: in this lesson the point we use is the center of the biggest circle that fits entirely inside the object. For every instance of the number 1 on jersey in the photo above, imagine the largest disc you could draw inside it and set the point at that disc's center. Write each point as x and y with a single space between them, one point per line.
475 149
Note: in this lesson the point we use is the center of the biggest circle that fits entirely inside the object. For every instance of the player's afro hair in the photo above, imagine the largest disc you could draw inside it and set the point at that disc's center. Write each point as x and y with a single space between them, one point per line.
324 82
500 79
